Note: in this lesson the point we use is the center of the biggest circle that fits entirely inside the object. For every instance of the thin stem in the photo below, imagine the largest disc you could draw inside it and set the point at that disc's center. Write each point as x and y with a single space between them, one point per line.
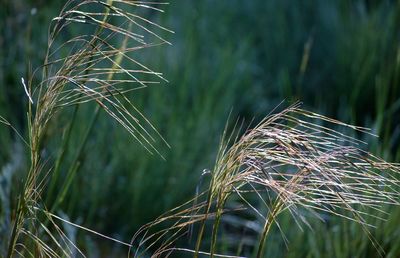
267 226
61 156
15 230
201 232
74 167
218 216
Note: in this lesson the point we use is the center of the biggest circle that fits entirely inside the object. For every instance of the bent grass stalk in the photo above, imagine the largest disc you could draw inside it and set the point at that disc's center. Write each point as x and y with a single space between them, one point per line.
291 161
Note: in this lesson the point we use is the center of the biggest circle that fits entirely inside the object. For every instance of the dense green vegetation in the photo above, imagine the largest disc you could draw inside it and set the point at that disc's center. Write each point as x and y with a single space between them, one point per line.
341 59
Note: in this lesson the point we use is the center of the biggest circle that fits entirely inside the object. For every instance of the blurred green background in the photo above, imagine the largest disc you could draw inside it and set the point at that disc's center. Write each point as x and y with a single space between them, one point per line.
340 58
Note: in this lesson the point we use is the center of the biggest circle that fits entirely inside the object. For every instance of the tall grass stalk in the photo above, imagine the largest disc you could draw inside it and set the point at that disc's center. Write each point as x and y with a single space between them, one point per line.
83 68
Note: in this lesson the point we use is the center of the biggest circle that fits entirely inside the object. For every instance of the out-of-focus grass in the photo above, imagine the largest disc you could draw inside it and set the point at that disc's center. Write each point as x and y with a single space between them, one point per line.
341 58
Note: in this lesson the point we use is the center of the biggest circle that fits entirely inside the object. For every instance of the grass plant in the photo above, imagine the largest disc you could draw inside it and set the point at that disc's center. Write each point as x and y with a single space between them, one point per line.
292 162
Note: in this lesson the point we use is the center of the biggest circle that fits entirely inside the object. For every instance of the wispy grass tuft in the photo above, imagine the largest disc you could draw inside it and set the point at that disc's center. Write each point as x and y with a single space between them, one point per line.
291 161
